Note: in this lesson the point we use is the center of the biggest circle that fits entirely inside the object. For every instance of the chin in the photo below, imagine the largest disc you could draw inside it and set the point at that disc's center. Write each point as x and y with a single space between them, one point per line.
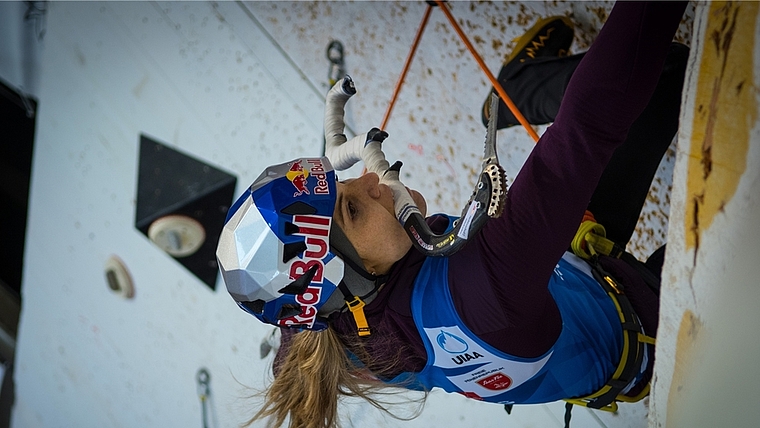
419 200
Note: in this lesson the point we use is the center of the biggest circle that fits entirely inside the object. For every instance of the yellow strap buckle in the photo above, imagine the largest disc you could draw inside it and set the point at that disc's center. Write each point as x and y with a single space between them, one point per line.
356 307
612 284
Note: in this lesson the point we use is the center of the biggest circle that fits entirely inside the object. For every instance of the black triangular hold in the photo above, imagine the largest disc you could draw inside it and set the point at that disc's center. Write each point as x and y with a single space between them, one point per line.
173 183
292 250
301 283
168 179
299 208
256 306
288 310
17 120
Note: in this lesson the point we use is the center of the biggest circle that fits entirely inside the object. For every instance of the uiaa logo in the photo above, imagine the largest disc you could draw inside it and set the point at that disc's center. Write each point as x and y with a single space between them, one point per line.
451 343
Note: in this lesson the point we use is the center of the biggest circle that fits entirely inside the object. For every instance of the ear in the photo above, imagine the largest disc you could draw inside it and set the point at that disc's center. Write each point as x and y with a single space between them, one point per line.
377 269
369 266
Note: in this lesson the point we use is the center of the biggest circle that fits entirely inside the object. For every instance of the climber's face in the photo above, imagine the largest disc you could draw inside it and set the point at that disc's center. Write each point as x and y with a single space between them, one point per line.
364 211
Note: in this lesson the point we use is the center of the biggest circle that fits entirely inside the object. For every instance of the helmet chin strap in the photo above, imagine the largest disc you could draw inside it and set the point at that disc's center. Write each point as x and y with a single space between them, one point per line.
357 288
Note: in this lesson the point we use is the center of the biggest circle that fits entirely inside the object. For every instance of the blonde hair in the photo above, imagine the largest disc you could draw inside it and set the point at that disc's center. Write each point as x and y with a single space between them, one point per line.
316 373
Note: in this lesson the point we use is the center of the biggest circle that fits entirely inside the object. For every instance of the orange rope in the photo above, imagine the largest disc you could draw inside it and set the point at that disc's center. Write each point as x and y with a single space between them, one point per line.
409 58
502 94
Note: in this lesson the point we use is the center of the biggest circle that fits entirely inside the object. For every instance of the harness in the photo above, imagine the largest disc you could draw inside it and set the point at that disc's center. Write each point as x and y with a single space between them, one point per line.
589 243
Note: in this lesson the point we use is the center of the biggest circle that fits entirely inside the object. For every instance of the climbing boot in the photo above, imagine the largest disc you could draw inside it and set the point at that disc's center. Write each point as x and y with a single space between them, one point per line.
547 38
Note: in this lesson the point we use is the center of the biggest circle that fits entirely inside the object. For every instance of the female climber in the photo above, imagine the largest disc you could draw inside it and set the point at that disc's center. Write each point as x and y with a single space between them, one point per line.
512 317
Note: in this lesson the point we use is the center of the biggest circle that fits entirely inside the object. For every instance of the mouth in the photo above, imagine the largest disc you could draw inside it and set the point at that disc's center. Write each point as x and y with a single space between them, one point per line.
390 191
411 192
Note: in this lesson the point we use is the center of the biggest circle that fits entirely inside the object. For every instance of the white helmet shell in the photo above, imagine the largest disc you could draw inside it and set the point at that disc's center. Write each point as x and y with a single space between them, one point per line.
274 251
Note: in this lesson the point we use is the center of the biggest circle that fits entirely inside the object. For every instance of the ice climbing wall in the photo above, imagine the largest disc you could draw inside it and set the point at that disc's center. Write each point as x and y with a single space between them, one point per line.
707 347
238 86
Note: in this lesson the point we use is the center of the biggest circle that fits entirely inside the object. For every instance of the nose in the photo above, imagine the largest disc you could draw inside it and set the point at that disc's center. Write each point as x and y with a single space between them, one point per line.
369 182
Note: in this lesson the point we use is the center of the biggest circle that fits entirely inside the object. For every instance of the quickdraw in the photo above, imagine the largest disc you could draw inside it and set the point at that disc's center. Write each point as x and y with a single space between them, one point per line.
337 64
203 379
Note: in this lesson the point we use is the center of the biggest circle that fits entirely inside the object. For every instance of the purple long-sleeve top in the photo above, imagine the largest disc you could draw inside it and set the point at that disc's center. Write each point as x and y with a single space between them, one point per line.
499 281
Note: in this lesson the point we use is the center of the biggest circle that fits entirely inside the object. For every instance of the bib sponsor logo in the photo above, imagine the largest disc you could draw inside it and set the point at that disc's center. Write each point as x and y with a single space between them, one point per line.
316 230
496 382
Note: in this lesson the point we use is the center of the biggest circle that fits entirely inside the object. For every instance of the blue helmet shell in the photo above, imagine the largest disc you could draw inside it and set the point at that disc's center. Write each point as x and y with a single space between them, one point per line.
274 251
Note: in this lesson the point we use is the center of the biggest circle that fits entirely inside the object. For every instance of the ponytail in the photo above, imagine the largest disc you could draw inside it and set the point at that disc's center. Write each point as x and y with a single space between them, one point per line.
311 379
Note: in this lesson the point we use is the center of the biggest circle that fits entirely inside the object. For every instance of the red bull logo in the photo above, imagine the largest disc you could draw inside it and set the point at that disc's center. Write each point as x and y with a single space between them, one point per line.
308 301
316 230
298 176
318 171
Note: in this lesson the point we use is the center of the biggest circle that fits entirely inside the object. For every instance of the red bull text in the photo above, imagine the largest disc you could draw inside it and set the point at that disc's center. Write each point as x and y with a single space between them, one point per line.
316 230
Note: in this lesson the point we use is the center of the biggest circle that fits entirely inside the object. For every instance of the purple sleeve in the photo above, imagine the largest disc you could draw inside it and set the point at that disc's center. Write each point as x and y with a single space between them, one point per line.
508 303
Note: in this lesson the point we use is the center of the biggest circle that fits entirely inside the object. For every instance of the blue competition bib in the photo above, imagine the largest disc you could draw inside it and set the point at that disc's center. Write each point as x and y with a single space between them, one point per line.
583 358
